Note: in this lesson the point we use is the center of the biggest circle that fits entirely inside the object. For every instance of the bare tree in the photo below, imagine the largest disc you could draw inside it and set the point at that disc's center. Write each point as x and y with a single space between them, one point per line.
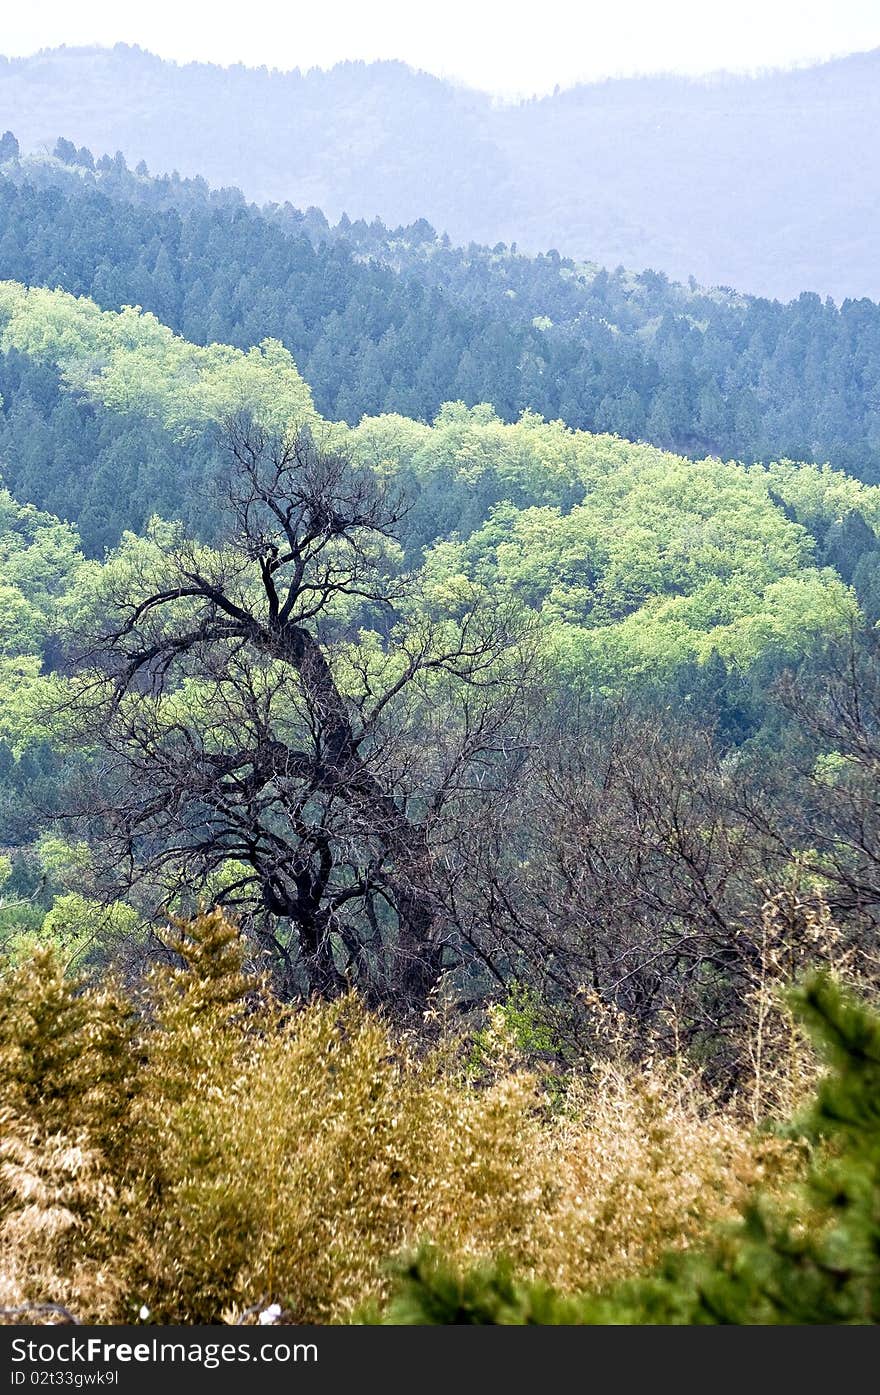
247 738
618 870
635 863
820 803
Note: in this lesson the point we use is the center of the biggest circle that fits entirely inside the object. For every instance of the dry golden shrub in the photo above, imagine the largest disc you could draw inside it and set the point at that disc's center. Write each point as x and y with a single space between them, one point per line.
331 1149
295 1174
54 1190
228 1152
796 932
645 1165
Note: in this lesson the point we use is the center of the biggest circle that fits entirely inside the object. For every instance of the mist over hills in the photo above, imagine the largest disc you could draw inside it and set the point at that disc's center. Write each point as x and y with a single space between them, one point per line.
770 183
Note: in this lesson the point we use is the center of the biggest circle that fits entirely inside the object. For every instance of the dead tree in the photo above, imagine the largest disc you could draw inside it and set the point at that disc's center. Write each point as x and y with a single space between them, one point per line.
248 741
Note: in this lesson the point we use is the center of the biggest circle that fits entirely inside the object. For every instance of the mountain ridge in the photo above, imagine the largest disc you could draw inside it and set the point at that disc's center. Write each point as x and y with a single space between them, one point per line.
764 182
711 78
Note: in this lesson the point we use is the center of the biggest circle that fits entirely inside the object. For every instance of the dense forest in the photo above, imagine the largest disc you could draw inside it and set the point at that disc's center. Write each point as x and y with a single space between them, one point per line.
399 320
764 183
438 811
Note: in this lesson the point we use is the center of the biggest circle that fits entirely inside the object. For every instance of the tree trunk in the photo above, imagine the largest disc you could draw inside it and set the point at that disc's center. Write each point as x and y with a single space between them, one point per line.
419 955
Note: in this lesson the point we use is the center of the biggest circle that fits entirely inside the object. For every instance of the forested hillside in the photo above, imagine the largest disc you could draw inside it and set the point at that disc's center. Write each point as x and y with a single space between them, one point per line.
399 320
759 183
590 529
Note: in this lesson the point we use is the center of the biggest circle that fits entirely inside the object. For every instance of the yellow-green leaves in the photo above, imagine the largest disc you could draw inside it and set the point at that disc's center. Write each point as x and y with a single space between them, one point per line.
634 559
131 362
664 562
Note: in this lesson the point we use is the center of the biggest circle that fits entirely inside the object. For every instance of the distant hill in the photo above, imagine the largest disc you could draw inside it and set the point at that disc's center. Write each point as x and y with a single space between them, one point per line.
770 184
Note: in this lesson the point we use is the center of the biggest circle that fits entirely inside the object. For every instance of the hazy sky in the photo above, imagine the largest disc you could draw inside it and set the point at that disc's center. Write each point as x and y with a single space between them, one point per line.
508 48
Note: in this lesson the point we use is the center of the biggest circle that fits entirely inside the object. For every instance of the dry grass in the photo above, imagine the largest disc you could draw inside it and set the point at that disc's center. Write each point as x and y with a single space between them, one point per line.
796 933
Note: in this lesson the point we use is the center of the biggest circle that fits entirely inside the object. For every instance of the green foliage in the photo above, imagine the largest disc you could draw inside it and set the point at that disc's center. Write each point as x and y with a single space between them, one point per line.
66 1057
132 362
664 562
85 929
519 1028
431 1292
637 561
39 561
528 1020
